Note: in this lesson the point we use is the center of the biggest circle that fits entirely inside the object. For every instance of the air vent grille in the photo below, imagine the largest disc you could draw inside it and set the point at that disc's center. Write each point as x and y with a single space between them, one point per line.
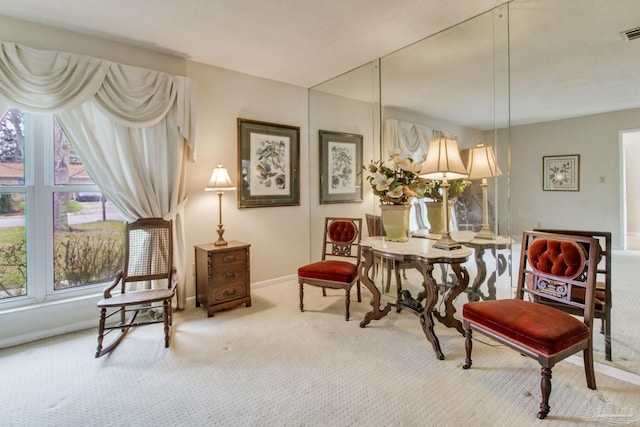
631 34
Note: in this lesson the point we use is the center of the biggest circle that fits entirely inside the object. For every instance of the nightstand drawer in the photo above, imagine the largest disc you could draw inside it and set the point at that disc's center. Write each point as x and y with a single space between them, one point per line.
227 260
227 276
227 292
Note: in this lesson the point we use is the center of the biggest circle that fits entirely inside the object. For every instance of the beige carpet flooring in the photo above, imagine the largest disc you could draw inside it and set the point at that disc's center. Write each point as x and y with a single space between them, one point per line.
270 365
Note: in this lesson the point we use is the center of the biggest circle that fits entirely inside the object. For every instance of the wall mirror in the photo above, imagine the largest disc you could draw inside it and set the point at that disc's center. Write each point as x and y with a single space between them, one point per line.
575 87
531 78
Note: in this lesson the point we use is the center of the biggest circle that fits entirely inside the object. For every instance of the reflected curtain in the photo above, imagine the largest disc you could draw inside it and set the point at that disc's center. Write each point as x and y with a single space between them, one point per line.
132 127
411 138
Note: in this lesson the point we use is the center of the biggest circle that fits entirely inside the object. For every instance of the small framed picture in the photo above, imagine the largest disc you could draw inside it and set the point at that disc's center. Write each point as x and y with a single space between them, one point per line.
268 164
340 167
561 173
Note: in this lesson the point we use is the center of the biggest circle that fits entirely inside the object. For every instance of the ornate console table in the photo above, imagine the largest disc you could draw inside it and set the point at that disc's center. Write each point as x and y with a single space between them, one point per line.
421 254
479 247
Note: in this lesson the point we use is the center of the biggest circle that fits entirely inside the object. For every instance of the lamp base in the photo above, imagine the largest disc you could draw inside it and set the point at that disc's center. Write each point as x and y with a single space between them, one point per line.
447 243
220 241
485 233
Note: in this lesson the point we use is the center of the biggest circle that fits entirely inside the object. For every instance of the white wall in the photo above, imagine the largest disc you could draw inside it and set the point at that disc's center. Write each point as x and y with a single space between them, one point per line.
279 236
597 205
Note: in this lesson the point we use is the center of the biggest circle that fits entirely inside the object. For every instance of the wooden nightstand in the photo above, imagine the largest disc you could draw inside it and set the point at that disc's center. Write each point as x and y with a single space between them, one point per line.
222 276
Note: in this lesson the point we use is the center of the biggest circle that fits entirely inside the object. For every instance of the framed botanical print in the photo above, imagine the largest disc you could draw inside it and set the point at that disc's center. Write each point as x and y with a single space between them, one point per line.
340 167
268 164
561 173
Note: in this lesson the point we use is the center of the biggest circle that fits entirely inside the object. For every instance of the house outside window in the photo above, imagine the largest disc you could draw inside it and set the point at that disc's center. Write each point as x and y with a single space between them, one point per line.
59 237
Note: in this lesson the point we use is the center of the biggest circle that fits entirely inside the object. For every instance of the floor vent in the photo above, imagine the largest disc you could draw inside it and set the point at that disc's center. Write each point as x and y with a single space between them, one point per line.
632 34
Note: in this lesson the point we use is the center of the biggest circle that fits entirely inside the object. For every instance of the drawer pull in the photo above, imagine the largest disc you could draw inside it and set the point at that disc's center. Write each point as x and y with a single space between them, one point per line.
229 258
229 275
229 292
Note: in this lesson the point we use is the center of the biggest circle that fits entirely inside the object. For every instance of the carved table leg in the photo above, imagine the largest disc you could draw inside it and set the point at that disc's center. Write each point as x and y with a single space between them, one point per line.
365 279
426 317
501 268
463 281
481 274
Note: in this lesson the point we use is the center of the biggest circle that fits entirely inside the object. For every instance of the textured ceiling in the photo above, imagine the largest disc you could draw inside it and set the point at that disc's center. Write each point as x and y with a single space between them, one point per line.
302 42
567 58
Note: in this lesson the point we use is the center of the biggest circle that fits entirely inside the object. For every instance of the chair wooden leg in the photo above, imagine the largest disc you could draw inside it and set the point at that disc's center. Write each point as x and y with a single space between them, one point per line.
606 323
468 346
103 316
358 290
166 307
587 359
123 327
396 267
389 266
301 296
347 303
545 387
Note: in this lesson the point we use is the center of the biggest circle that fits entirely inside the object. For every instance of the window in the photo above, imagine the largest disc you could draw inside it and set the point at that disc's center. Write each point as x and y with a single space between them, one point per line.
58 236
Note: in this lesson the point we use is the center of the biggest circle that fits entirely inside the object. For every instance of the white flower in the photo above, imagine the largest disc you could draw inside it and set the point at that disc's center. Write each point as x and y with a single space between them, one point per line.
396 192
406 165
381 182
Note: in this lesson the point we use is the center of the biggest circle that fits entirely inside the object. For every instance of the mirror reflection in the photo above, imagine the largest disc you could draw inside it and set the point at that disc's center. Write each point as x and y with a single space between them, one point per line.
531 79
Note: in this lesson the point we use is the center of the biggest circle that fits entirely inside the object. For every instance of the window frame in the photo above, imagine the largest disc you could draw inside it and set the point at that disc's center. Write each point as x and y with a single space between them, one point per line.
39 189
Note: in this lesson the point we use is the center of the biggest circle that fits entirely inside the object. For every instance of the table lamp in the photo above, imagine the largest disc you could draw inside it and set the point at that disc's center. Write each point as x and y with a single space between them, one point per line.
220 182
482 165
442 162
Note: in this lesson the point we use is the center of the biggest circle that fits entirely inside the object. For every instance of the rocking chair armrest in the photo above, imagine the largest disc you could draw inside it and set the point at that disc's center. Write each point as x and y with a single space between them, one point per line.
116 281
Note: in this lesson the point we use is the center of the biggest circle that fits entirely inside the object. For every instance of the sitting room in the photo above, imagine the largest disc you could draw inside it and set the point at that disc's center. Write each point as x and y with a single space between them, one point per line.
245 129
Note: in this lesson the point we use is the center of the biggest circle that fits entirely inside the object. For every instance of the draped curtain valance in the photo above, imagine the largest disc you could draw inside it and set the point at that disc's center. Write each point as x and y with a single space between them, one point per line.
411 138
50 81
132 127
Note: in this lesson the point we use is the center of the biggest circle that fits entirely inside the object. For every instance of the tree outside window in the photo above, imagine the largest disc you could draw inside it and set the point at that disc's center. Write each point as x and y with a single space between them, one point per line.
85 231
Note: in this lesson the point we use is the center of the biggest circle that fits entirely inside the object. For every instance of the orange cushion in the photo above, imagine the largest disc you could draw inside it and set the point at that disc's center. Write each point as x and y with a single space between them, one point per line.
558 257
336 271
541 328
342 231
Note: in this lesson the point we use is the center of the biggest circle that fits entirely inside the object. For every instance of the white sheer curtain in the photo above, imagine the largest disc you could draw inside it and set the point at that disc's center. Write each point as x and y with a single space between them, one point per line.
411 138
132 127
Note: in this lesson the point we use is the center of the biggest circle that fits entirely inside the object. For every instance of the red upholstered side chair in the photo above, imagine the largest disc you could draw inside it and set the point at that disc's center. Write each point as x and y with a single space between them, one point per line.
603 284
338 268
555 264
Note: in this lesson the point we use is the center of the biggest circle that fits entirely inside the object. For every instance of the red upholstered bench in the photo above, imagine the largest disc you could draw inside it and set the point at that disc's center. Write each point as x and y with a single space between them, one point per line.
553 265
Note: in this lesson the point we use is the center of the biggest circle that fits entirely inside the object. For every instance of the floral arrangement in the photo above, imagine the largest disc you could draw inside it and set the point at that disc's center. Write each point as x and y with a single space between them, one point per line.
396 180
456 188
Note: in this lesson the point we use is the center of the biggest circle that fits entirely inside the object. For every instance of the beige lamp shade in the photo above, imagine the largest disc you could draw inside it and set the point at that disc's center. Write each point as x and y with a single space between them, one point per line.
443 160
220 180
482 162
